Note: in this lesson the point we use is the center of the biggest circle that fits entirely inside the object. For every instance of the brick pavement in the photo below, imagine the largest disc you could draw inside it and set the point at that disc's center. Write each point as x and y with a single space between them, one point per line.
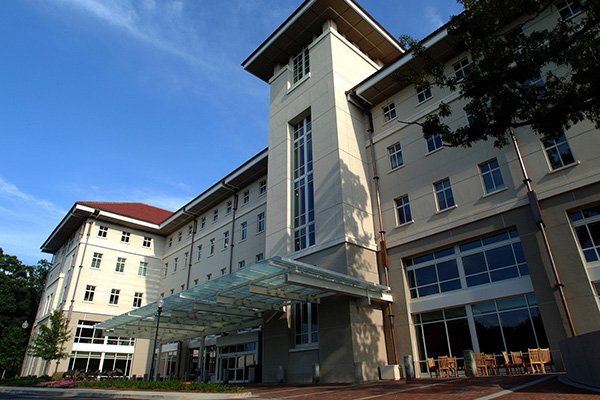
524 387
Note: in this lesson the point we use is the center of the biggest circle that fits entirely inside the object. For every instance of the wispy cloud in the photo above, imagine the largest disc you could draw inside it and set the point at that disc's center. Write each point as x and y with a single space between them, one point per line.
11 193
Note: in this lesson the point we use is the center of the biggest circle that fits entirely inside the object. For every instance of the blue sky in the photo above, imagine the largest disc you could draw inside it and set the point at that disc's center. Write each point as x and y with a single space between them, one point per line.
137 100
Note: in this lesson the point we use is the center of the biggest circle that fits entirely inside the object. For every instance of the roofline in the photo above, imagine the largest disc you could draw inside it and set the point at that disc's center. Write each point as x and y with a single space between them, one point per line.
402 60
59 226
303 7
222 183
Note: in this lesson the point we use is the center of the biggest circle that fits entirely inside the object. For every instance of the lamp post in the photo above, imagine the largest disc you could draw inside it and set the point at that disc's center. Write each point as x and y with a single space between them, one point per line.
25 325
159 305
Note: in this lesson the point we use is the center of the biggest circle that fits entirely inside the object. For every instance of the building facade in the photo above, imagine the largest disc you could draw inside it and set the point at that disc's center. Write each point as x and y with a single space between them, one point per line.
353 240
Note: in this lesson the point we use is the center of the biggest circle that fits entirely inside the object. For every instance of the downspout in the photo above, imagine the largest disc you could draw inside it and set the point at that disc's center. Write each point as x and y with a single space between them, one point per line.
92 219
72 267
538 218
194 229
388 315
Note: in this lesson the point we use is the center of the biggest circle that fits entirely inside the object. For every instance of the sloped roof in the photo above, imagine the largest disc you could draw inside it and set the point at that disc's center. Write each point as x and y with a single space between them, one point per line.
140 211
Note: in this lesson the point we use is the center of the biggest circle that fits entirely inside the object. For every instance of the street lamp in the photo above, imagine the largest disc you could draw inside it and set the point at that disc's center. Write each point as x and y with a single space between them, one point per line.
25 325
159 305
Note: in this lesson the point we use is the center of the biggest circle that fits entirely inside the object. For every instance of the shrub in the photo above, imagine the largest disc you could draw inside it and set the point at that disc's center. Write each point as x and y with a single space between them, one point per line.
160 385
24 381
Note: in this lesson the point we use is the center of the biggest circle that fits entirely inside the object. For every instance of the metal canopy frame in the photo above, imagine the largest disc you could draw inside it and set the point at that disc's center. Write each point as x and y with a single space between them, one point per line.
238 300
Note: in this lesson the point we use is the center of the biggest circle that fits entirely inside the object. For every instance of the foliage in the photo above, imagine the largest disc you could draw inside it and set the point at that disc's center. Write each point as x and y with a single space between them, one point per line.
48 343
160 385
501 86
21 287
24 381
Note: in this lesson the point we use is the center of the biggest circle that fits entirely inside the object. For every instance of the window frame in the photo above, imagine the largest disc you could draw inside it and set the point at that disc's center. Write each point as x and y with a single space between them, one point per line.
102 231
568 7
444 190
120 265
260 223
423 92
262 187
88 295
557 144
493 177
137 299
461 68
300 66
434 143
147 243
403 212
143 269
243 231
395 156
96 260
389 112
125 237
113 300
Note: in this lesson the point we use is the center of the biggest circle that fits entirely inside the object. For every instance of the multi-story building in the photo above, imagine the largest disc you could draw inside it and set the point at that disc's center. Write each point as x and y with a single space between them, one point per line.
356 241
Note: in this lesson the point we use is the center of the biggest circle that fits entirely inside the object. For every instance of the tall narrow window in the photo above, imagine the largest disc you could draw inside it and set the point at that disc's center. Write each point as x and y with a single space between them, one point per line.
202 222
89 293
301 65
434 142
199 253
259 257
137 299
395 154
260 222
190 230
246 197
215 215
96 260
443 194
461 69
241 264
225 239
262 187
114 296
243 230
304 204
586 224
211 248
229 207
558 152
120 267
403 210
143 268
179 234
186 256
166 268
306 323
175 261
491 175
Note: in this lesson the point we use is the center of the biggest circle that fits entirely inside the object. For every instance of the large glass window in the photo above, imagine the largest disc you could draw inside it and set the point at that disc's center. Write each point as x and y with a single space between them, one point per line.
306 323
491 259
304 204
586 224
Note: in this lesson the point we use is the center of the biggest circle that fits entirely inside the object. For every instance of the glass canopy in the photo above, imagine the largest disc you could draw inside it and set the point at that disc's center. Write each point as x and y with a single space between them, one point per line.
238 300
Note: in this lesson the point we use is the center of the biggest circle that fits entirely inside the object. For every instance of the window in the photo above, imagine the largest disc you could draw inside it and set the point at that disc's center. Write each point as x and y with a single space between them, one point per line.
243 230
568 8
423 92
120 267
470 119
492 177
597 288
170 241
443 194
241 264
143 268
147 242
114 296
186 255
102 231
262 187
229 207
208 277
137 299
403 210
125 237
303 197
166 268
461 69
96 260
215 215
225 239
259 257
223 271
306 324
246 197
196 282
434 142
558 152
395 154
175 262
199 252
202 222
260 222
211 248
491 259
389 112
300 65
179 235
190 230
586 224
89 293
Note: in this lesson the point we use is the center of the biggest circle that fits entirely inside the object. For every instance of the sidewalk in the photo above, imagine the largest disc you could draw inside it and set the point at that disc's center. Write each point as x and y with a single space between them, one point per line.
520 387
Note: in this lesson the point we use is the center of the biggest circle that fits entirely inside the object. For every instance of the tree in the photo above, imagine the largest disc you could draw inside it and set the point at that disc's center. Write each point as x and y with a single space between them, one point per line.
49 342
547 80
21 287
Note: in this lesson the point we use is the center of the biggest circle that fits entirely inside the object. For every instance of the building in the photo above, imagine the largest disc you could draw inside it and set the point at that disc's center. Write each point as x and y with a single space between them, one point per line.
338 274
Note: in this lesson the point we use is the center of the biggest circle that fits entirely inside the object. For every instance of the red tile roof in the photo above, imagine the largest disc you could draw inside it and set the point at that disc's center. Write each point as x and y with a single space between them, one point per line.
139 211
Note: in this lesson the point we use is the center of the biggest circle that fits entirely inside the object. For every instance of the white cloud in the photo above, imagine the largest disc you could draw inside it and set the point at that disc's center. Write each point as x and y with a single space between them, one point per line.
433 16
11 193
